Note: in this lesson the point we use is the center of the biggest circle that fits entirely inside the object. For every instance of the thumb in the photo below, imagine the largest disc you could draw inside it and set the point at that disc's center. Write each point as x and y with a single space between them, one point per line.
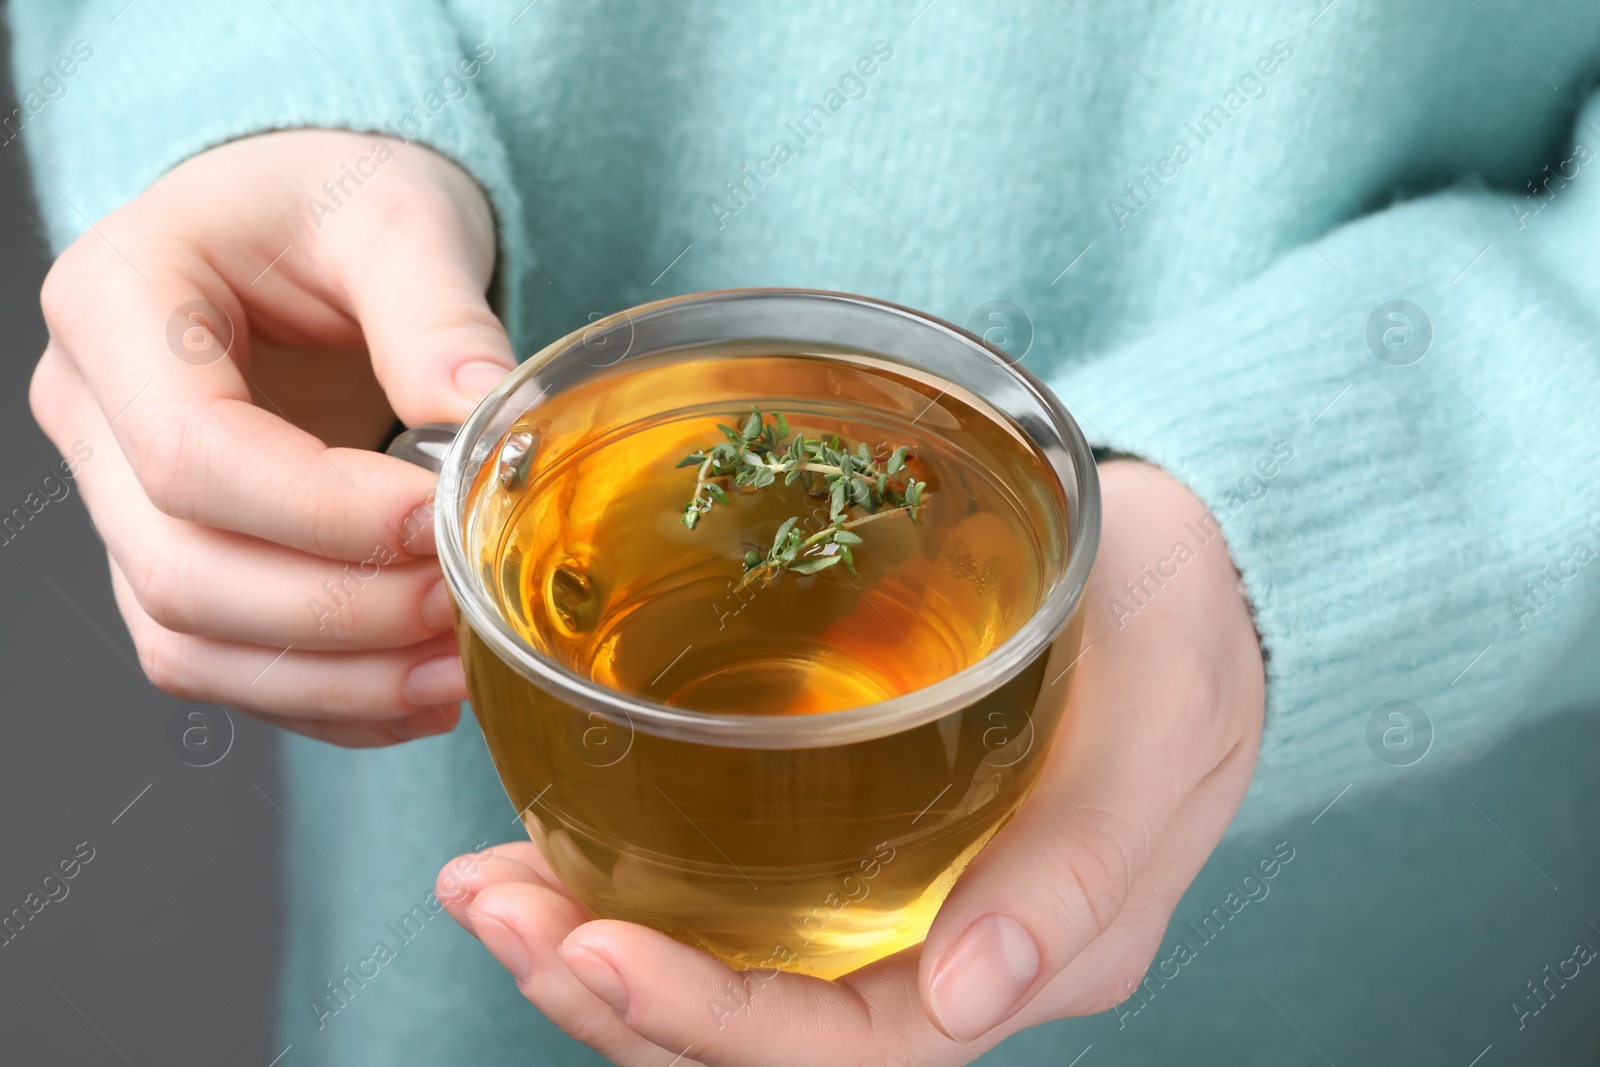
1052 881
418 292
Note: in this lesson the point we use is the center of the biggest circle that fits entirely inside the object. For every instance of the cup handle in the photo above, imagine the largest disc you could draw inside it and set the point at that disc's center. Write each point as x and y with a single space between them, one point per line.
424 445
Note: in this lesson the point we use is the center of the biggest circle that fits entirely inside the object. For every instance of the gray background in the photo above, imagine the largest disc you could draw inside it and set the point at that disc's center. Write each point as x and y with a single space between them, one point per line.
166 943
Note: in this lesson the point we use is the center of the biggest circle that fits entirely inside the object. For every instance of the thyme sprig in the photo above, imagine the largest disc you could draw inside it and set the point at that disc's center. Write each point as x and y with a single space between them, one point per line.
756 456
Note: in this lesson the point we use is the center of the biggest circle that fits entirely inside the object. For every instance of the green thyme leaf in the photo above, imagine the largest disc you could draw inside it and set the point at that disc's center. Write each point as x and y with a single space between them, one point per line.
756 457
815 564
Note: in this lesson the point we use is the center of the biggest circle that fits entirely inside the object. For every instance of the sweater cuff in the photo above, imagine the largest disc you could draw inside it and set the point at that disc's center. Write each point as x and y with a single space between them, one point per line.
399 68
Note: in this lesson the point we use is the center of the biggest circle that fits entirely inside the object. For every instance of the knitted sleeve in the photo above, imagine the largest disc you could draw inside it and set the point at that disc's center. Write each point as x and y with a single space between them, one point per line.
1396 429
113 93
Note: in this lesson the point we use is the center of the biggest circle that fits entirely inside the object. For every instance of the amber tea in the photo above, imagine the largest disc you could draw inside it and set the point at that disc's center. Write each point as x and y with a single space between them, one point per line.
766 530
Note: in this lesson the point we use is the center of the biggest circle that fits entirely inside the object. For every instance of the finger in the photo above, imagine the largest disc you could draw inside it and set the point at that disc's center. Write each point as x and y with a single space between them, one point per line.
1152 712
348 733
1058 875
1108 971
436 346
193 579
679 997
522 924
198 445
380 685
463 878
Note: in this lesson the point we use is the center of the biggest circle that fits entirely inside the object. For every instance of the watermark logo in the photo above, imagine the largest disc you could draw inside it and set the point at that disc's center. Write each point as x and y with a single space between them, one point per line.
338 992
599 739
741 191
605 339
1141 189
1399 733
200 333
50 87
1251 888
1399 332
51 889
200 734
1003 325
1008 736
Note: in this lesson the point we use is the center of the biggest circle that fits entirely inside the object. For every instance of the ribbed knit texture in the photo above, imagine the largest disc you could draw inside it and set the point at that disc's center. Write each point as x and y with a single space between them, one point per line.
172 78
1387 554
1206 308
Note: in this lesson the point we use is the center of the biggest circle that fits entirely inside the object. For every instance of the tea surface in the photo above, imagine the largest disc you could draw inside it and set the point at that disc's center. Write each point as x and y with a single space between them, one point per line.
595 570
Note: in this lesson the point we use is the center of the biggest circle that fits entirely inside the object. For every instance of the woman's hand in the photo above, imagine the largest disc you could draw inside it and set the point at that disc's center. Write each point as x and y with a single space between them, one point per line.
226 348
1059 915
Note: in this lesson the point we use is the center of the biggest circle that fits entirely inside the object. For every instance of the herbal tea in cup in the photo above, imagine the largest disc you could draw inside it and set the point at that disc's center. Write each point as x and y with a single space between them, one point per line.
767 629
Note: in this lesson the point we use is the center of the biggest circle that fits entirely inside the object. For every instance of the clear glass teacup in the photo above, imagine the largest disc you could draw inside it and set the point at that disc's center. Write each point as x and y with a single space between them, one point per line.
807 809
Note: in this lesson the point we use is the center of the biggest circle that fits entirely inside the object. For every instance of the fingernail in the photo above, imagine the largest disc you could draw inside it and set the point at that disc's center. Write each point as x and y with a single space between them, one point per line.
436 606
979 983
475 379
502 944
597 975
426 723
436 681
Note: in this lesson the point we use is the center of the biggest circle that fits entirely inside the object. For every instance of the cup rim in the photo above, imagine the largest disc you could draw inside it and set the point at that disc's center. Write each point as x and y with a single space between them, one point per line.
824 729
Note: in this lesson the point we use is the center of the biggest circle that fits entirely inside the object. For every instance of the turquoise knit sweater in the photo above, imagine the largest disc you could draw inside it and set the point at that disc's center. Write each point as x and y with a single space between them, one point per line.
1335 269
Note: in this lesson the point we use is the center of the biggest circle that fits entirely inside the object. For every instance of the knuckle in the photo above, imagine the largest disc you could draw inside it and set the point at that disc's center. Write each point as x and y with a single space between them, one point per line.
151 577
424 210
1201 709
329 521
335 621
397 208
326 692
88 274
162 457
1096 882
336 616
1102 890
65 275
462 316
322 523
163 656
43 396
340 611
451 886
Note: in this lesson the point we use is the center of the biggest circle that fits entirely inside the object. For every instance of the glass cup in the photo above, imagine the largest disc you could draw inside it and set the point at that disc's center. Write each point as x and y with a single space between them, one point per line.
807 843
